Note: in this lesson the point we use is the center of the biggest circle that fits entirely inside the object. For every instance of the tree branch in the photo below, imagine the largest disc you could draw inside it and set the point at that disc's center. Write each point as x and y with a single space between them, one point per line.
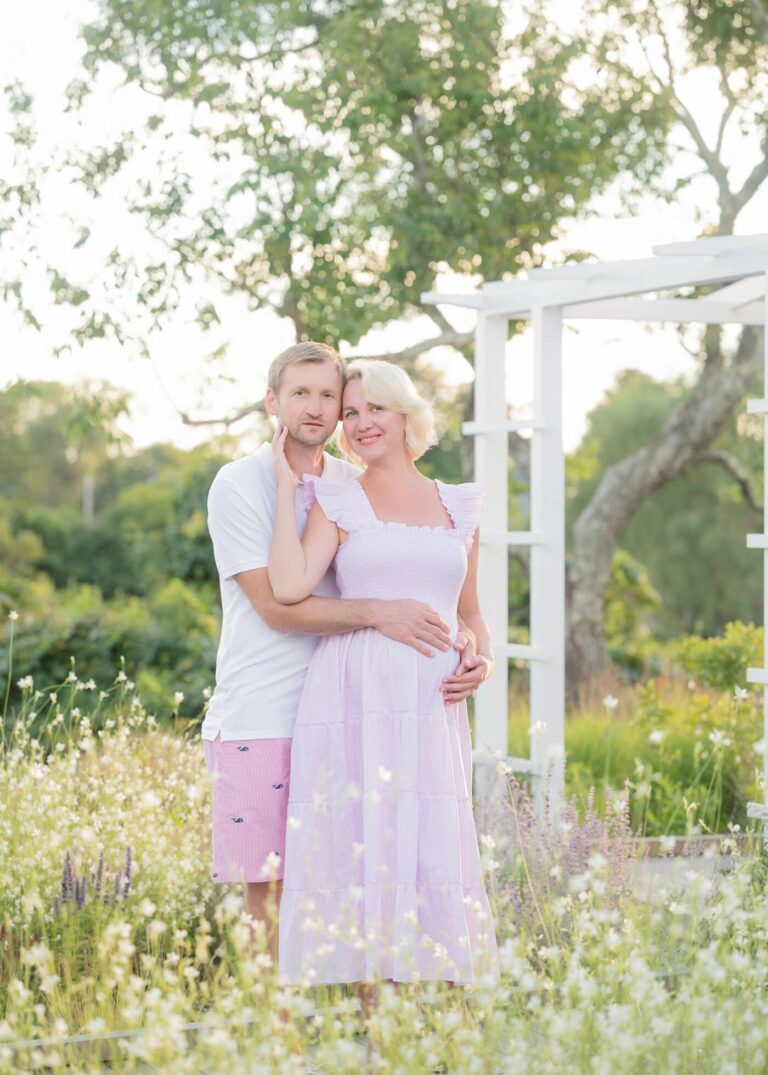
226 419
756 177
728 111
732 466
713 162
438 317
451 338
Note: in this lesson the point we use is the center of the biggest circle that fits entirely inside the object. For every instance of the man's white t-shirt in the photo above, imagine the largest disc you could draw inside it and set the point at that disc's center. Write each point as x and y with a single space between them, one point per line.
259 671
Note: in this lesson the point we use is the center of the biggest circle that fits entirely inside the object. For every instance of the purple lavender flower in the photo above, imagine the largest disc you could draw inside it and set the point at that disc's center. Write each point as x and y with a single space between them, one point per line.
67 879
97 875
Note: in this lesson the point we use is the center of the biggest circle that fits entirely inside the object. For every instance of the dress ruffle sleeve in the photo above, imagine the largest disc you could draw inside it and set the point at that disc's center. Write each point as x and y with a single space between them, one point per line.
464 503
335 498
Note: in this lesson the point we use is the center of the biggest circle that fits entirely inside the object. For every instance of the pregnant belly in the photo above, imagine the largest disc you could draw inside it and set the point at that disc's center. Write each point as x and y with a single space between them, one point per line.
364 672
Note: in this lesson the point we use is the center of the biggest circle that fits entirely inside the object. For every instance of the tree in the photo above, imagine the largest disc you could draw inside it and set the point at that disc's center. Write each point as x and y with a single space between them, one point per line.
329 161
722 38
695 555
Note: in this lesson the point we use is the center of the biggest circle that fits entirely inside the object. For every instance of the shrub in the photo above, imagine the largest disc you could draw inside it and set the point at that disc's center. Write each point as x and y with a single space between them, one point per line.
722 662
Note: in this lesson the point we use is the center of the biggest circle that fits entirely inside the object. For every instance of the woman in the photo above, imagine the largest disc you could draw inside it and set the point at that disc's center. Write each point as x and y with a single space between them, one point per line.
382 869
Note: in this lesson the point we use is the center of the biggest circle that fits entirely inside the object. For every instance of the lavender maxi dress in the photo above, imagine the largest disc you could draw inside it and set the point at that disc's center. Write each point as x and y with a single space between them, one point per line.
382 868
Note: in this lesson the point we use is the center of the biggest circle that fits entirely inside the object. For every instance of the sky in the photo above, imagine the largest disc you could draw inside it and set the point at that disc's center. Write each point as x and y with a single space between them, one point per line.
38 45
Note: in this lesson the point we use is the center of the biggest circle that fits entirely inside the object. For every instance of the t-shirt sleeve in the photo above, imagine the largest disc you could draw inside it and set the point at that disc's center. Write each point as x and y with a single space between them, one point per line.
240 532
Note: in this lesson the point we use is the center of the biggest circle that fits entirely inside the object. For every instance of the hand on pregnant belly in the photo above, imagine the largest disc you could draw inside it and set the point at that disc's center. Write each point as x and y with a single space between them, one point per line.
414 624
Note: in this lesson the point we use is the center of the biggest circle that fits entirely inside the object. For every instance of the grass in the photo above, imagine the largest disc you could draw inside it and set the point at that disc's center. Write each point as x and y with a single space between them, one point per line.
685 755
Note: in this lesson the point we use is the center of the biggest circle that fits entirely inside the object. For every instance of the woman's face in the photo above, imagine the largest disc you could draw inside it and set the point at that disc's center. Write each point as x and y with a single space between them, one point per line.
372 431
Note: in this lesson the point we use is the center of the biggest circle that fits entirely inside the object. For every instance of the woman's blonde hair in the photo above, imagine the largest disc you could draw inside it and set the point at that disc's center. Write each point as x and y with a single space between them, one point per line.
388 385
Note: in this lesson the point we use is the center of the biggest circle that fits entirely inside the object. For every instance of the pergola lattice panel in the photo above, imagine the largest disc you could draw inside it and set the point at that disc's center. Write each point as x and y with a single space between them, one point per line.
621 290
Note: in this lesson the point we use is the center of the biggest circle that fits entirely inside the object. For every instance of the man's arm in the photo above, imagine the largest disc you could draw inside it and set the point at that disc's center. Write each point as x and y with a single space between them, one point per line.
411 622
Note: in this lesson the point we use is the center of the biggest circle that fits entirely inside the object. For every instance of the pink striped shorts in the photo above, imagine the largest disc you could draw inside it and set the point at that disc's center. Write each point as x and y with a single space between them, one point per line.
251 780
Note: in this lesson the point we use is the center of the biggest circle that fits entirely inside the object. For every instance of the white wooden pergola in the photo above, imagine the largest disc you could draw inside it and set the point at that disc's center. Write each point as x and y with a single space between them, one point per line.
620 290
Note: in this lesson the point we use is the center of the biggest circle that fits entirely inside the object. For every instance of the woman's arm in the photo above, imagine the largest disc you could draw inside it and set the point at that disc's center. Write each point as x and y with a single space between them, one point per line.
296 566
469 612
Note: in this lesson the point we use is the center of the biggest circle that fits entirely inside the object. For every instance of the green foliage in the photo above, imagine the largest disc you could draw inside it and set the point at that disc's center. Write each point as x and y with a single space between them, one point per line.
629 600
722 662
136 581
687 759
354 151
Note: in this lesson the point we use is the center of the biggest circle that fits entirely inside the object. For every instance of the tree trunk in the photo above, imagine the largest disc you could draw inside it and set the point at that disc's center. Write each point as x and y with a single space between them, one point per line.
687 434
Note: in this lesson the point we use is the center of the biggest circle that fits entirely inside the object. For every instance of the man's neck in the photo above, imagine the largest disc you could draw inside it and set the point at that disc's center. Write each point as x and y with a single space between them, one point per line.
303 459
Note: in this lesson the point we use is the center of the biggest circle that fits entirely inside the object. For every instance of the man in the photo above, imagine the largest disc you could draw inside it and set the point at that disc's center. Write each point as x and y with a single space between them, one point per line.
265 647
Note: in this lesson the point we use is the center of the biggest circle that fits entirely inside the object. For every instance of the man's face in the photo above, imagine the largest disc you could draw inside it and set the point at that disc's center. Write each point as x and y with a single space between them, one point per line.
309 401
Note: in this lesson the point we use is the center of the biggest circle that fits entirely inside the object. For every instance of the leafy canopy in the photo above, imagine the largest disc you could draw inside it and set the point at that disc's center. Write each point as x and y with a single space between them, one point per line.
329 160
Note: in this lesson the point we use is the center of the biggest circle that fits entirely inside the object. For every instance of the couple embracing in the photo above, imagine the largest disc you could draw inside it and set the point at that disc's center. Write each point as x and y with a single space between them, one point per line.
337 735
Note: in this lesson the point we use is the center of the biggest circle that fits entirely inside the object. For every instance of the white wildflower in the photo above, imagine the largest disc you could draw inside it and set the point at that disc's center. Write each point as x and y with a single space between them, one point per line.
719 739
178 697
155 928
271 865
26 683
610 701
657 736
13 615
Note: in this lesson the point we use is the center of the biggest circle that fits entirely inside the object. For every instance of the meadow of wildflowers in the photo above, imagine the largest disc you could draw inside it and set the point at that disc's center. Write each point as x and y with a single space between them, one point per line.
118 951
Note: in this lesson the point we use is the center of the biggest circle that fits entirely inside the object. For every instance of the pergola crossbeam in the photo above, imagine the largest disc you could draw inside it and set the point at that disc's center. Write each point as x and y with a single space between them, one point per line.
715 244
516 425
652 274
680 311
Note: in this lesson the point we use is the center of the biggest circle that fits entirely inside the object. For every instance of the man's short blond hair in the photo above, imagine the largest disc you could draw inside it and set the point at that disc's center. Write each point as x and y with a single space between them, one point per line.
302 352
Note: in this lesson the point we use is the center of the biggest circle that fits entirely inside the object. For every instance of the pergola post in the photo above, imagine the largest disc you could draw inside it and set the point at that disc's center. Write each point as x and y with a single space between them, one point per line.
765 564
547 613
491 468
760 541
765 554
